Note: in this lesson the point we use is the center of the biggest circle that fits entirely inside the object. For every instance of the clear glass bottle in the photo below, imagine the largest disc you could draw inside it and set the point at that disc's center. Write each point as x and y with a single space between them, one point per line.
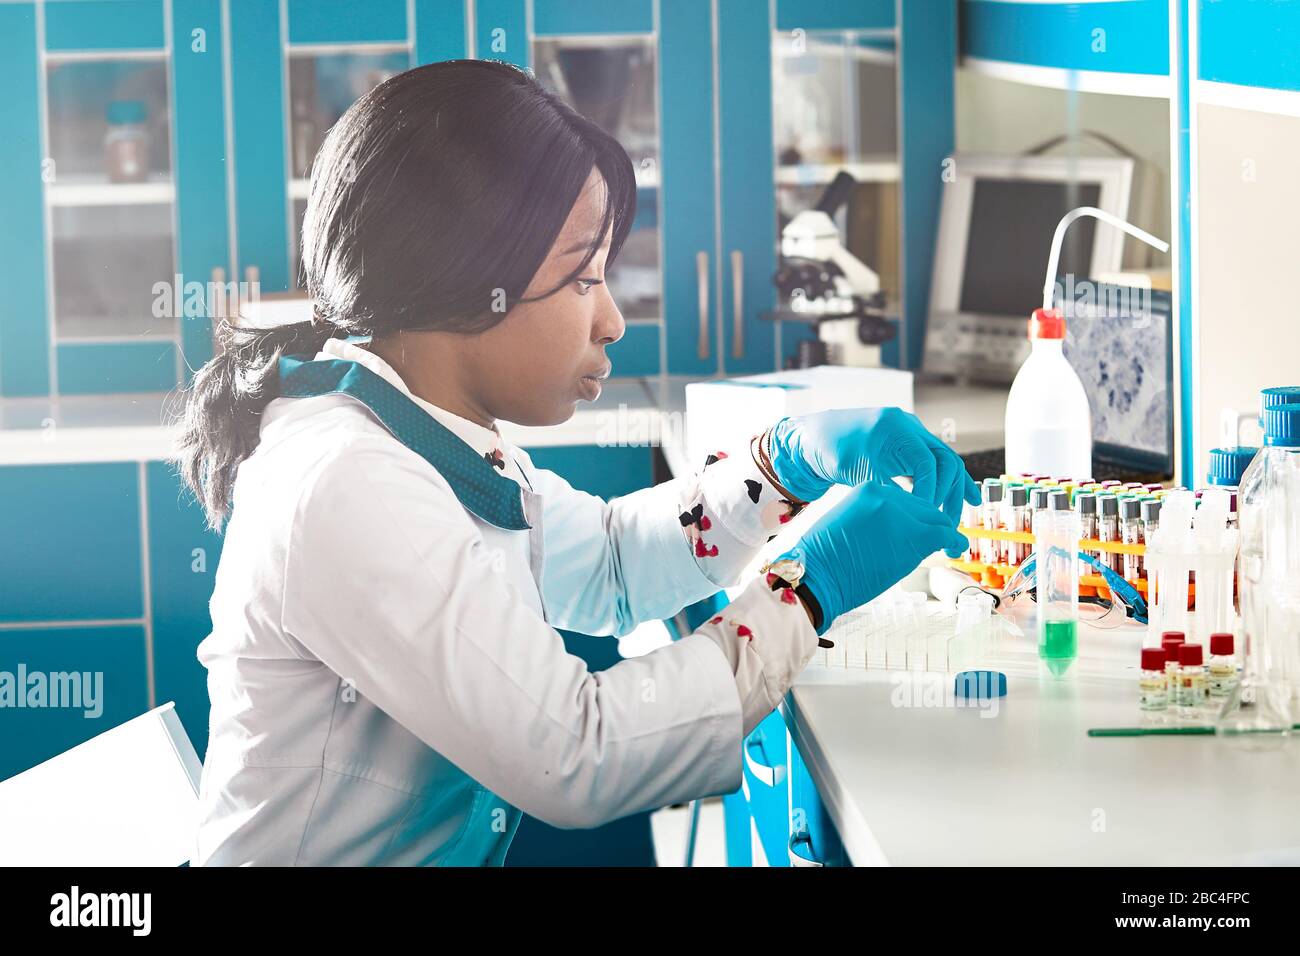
1260 706
1193 684
1223 665
1153 685
1170 642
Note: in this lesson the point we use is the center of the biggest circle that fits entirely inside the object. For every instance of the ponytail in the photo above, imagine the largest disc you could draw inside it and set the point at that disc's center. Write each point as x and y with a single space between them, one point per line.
435 196
224 404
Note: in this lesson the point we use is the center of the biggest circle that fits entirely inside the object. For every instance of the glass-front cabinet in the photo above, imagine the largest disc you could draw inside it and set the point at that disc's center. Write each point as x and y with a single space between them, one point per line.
155 148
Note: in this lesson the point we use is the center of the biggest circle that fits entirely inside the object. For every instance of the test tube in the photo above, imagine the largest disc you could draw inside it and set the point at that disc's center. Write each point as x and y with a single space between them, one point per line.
1057 534
1086 504
1017 504
1058 501
970 518
1108 528
1130 532
990 550
1037 503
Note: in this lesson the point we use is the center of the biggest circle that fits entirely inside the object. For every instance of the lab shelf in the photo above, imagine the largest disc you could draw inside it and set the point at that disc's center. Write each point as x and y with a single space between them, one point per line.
820 174
105 193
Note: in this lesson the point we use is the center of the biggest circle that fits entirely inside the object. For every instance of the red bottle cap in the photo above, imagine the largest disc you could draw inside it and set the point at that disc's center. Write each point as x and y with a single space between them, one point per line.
1190 655
1172 637
1221 644
1153 658
1047 324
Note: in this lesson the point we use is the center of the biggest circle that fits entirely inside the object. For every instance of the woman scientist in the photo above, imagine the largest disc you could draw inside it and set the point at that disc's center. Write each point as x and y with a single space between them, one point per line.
386 680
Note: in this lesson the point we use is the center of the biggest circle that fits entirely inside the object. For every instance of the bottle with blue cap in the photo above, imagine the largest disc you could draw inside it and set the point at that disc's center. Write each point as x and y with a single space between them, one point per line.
1269 518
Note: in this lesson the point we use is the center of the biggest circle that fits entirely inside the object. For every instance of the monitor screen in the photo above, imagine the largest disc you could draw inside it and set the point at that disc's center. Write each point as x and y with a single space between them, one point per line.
1011 226
1119 341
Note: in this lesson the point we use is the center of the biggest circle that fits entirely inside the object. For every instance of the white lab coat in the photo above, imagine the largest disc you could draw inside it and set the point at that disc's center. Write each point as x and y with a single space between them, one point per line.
385 676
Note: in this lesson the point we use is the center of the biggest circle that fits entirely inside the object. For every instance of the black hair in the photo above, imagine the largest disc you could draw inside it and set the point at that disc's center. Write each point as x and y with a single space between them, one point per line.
436 194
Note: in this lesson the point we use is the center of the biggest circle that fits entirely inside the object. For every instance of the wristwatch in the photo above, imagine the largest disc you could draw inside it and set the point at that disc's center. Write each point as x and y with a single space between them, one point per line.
787 572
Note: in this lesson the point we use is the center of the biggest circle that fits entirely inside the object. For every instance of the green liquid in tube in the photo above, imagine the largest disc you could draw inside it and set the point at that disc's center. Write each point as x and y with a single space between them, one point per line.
1058 646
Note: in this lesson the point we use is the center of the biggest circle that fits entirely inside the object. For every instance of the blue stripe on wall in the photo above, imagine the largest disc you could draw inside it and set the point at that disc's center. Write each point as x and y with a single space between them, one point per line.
501 31
72 551
748 181
203 240
927 57
105 25
347 21
439 30
1130 36
24 329
564 17
33 735
686 144
1250 42
114 367
259 110
834 14
1186 308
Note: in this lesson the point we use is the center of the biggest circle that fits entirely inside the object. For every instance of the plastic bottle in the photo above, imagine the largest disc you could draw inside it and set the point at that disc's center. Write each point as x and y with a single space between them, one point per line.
1048 421
1057 577
1213 563
1170 552
1153 685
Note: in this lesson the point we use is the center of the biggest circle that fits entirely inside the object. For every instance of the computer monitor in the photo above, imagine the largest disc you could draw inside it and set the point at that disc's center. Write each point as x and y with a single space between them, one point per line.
1120 342
995 232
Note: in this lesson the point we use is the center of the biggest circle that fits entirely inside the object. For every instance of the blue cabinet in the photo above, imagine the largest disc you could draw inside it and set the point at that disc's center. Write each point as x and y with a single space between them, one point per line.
114 163
767 784
72 544
183 558
62 685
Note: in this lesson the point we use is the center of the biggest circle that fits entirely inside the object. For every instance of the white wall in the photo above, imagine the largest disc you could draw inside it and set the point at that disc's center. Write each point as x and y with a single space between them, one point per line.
1001 116
1248 213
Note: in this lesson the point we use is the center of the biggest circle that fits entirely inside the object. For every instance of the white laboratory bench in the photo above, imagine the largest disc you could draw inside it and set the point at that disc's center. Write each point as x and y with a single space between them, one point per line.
1027 786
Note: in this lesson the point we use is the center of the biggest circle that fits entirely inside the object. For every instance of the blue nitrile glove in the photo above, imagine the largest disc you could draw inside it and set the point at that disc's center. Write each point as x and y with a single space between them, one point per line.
869 541
849 446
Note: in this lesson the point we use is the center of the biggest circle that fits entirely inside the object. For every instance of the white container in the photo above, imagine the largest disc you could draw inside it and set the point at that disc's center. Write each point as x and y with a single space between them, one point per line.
721 412
1049 422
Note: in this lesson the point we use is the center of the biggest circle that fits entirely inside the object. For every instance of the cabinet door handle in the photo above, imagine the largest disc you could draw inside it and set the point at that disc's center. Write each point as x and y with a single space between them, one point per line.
800 850
702 276
737 304
763 772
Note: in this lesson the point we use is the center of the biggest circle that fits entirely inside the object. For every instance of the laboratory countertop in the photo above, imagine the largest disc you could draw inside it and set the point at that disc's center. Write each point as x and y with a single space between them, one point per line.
907 784
75 429
80 429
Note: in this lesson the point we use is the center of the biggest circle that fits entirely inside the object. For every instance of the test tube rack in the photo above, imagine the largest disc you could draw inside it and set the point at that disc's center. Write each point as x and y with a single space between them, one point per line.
995 575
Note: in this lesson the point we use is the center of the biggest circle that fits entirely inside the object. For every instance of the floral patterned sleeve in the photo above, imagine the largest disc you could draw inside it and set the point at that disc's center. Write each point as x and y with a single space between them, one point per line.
729 509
